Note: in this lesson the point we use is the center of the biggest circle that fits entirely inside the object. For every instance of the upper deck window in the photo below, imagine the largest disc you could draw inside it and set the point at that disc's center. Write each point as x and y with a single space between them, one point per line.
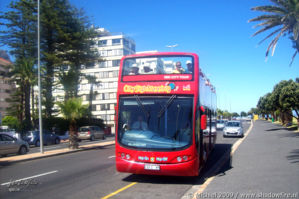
160 65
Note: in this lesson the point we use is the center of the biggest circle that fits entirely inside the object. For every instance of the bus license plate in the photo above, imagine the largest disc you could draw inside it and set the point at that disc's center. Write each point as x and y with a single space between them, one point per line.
151 167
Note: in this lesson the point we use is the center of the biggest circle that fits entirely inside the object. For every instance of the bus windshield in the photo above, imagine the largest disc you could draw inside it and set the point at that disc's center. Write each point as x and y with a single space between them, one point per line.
158 65
161 123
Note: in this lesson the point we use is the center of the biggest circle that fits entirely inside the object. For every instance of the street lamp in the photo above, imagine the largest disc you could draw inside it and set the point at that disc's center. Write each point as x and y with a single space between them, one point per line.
39 82
171 46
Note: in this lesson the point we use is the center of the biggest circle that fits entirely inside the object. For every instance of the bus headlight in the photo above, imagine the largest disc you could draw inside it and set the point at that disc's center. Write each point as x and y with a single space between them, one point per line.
184 158
179 159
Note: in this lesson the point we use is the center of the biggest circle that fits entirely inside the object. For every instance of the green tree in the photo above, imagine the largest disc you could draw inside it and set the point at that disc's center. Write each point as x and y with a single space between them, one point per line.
24 74
72 109
11 122
67 40
19 34
68 79
243 114
19 28
219 113
284 111
54 16
253 111
265 105
282 15
227 114
289 98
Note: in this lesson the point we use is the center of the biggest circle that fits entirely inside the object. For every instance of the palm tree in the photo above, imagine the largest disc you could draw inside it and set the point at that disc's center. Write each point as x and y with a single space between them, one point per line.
25 75
71 110
69 82
283 15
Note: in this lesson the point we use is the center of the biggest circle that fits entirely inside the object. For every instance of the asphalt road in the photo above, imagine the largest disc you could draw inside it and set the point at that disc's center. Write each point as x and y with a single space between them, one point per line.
92 174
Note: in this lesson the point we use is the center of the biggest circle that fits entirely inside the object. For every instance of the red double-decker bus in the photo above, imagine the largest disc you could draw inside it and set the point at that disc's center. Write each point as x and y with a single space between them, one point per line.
165 115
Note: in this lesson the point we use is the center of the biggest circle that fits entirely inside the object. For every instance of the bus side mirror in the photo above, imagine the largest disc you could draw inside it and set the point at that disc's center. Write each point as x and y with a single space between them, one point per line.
203 122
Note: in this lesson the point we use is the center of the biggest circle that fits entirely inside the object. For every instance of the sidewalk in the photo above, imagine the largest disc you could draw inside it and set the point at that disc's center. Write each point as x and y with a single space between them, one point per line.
38 155
264 166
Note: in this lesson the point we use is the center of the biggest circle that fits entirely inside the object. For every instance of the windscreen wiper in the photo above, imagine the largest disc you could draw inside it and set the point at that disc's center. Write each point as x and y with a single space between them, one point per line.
147 115
166 105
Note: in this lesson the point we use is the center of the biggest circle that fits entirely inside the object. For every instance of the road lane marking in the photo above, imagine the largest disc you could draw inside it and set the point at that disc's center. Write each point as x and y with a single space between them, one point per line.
119 190
112 156
36 176
233 149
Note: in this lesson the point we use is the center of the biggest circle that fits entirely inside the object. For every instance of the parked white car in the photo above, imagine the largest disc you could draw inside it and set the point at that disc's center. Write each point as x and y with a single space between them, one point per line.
233 128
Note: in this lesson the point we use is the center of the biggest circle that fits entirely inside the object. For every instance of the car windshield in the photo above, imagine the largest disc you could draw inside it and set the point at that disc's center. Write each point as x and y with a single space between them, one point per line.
233 124
158 65
83 129
162 123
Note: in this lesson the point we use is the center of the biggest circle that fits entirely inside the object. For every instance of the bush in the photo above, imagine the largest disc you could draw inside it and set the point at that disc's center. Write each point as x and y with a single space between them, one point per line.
11 122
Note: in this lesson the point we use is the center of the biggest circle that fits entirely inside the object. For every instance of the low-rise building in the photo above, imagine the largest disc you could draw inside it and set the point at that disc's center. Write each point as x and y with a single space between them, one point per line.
6 86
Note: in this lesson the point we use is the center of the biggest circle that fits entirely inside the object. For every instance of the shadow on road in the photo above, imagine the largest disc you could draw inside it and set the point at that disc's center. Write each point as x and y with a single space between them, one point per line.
294 156
218 163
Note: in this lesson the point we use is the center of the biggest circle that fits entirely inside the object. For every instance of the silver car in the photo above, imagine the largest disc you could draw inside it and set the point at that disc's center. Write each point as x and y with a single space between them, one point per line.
11 145
233 128
90 133
220 124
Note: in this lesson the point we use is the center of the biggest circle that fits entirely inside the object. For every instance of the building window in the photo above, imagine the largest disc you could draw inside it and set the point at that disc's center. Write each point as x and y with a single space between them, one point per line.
112 96
116 63
89 65
115 73
126 52
102 43
116 41
133 47
126 42
104 107
102 64
103 53
109 63
93 107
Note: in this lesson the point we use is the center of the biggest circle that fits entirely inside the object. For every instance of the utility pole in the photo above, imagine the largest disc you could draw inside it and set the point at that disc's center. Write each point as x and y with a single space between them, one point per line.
39 82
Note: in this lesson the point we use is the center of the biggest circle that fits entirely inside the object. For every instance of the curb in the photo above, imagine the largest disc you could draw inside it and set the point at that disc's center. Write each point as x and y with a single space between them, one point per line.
52 153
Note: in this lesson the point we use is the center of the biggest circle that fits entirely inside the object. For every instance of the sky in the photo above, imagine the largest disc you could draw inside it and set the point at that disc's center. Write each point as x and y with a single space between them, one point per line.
218 31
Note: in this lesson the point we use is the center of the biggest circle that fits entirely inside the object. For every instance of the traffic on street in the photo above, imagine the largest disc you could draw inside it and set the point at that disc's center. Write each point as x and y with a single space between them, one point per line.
92 173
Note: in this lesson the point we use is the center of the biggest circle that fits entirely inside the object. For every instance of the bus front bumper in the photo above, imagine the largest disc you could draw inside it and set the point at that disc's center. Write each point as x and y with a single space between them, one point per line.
178 169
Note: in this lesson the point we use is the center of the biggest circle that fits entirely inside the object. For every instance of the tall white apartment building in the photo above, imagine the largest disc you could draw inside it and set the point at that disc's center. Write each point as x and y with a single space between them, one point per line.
111 48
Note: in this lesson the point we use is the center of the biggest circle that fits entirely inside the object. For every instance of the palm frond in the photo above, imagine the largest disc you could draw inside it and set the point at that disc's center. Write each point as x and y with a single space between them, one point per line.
270 35
271 9
265 17
274 41
293 57
268 22
266 28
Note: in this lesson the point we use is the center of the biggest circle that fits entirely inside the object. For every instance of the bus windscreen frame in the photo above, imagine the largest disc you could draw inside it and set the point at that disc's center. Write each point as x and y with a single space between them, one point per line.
158 68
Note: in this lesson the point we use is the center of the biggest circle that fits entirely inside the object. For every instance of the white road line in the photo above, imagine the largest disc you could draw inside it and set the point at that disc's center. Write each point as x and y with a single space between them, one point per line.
112 156
36 176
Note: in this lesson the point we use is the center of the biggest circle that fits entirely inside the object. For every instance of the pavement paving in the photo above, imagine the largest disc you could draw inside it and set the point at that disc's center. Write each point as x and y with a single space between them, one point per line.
264 166
39 155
